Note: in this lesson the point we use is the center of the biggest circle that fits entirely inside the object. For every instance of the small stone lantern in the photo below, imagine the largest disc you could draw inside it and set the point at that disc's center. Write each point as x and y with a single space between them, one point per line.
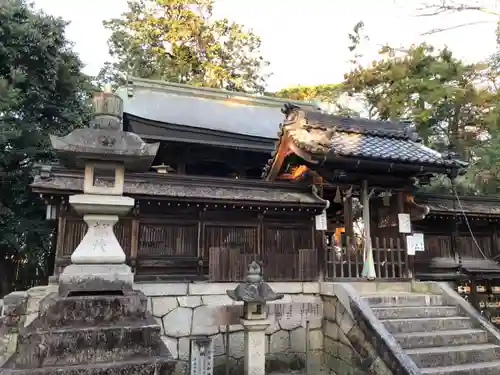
254 293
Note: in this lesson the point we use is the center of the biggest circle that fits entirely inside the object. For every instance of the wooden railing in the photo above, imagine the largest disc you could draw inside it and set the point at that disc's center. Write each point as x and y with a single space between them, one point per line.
227 264
346 262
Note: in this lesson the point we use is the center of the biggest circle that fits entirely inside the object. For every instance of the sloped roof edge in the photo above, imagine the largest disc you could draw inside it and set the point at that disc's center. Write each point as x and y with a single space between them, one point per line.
183 89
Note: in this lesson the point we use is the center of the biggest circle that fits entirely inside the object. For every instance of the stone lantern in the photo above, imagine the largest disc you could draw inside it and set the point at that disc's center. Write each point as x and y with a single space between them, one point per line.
254 293
96 323
104 151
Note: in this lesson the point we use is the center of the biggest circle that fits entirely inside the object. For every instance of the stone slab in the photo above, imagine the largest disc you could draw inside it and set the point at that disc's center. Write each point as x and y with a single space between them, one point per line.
137 366
56 311
95 278
231 315
93 344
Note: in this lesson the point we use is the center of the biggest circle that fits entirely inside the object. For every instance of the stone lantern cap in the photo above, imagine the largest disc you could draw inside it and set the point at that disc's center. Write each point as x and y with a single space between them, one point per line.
86 145
253 289
105 140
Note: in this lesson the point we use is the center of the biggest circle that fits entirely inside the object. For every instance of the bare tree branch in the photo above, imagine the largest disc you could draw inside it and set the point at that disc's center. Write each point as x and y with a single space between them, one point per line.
450 6
445 7
439 30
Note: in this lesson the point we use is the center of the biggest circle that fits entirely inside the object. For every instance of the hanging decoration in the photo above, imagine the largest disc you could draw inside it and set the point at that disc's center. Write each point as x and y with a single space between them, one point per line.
387 198
338 196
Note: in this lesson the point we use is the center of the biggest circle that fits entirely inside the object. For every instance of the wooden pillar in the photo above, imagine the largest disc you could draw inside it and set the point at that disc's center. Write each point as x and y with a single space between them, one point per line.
348 217
134 239
61 231
409 259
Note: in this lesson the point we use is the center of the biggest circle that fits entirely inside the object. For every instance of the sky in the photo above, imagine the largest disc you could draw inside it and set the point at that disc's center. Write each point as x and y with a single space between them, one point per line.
305 41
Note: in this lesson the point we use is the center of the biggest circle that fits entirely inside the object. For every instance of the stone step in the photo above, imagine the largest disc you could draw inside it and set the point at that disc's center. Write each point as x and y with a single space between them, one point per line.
414 311
138 366
427 324
72 346
444 338
91 310
487 368
454 355
401 299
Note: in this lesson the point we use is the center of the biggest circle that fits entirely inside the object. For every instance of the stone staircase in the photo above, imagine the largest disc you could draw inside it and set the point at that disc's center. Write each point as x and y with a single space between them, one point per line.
438 338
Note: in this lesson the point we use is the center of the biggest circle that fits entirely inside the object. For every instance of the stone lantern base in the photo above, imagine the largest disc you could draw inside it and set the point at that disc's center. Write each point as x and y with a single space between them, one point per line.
255 346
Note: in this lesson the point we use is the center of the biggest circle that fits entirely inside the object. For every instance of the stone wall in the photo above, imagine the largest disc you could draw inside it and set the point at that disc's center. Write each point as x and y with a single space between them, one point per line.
346 349
186 310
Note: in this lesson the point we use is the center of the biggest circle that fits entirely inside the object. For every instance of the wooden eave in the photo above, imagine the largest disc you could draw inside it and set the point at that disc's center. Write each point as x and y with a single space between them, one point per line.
157 131
219 191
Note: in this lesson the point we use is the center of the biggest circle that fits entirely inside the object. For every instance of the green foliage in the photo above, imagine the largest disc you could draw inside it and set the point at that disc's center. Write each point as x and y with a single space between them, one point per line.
42 91
434 90
326 93
180 41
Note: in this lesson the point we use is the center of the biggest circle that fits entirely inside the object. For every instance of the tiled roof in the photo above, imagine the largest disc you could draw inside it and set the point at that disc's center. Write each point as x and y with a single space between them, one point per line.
320 133
214 109
448 205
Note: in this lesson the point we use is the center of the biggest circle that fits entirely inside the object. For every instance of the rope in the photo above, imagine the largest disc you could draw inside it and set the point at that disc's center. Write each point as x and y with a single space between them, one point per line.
467 222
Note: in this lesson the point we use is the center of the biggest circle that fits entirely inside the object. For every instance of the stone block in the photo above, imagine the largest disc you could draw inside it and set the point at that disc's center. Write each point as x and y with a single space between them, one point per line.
279 342
331 330
405 300
184 348
162 289
454 355
217 300
177 323
310 288
202 289
315 323
231 328
427 324
159 321
316 339
92 310
342 367
273 327
15 303
298 340
181 368
292 323
414 312
219 344
163 305
305 298
345 322
287 287
82 278
30 318
329 305
189 301
203 321
444 338
378 367
172 345
236 345
357 340
97 344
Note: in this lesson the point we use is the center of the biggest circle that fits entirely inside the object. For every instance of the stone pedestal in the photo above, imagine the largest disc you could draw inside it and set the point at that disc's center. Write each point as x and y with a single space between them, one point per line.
98 263
99 245
255 346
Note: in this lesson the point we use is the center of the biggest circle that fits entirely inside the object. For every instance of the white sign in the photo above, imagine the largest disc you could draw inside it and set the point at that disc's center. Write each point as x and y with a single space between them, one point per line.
321 221
202 357
414 243
419 243
404 223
